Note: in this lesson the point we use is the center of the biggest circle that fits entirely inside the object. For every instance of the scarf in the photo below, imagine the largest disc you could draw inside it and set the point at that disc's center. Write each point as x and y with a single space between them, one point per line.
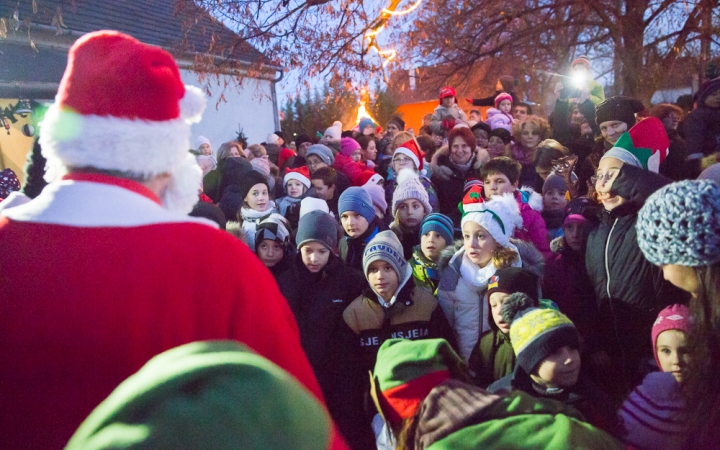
519 155
478 276
430 268
252 215
463 168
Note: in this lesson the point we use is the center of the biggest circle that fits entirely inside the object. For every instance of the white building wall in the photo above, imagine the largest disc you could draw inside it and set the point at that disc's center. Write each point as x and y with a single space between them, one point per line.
249 107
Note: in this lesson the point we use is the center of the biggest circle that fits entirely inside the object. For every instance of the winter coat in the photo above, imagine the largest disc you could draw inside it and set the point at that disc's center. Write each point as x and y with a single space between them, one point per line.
524 156
458 416
553 223
391 184
414 315
464 303
492 358
566 282
675 164
630 290
450 180
499 119
533 229
702 131
426 273
585 396
441 113
318 300
351 249
408 238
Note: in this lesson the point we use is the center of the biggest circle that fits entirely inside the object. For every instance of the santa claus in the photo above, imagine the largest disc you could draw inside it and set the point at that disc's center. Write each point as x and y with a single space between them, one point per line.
104 269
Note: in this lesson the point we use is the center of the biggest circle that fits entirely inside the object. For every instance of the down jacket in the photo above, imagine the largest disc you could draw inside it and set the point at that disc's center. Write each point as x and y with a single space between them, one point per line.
464 304
533 229
630 290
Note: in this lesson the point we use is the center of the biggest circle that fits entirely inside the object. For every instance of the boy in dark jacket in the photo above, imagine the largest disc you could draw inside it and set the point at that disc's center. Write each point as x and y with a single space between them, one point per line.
493 356
357 216
436 233
318 287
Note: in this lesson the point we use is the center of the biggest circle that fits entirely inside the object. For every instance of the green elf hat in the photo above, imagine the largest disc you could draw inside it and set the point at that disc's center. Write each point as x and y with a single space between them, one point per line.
646 145
406 371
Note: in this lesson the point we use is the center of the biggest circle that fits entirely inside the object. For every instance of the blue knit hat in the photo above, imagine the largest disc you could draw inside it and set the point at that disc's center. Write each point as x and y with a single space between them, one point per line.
680 224
439 223
357 199
323 152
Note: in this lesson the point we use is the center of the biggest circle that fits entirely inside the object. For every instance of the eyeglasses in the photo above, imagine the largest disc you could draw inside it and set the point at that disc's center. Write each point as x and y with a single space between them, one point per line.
602 177
402 160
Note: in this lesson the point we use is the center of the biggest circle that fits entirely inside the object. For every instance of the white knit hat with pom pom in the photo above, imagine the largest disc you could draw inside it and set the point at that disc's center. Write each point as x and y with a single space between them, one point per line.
410 187
500 215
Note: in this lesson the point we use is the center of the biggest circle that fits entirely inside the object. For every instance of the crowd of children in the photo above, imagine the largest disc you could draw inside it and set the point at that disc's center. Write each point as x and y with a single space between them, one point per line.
490 289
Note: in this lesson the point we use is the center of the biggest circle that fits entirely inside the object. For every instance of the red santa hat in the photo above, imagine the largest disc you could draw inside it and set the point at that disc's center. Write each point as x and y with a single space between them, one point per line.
412 151
301 174
368 177
122 106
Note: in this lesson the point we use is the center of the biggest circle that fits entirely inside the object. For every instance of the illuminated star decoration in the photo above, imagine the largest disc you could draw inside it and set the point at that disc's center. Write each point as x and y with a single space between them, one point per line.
379 25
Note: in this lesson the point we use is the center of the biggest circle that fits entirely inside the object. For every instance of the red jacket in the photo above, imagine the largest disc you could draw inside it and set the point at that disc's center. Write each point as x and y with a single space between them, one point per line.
96 279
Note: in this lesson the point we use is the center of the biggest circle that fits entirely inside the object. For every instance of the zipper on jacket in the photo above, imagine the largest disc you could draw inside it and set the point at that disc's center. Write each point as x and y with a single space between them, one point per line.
607 265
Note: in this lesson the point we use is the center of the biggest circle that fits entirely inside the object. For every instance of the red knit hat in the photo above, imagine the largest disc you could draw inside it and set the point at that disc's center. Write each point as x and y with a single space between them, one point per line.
121 105
502 96
446 92
412 150
674 317
301 174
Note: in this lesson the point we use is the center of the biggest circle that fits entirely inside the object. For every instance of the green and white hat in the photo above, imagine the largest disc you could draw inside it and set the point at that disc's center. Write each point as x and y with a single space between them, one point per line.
645 145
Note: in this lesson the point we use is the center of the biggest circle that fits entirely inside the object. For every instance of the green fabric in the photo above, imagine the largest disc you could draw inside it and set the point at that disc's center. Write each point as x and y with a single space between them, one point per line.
400 361
421 276
523 422
492 358
625 142
207 395
597 93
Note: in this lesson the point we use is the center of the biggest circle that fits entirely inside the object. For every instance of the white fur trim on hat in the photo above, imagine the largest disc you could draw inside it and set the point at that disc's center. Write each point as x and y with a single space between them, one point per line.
297 176
410 154
183 191
192 105
505 207
375 179
272 138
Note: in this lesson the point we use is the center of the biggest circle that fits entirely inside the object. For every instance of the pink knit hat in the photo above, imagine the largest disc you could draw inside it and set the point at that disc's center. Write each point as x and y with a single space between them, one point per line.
348 145
501 97
674 317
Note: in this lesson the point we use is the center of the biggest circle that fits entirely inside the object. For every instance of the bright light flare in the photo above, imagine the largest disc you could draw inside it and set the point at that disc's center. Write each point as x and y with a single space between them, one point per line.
403 12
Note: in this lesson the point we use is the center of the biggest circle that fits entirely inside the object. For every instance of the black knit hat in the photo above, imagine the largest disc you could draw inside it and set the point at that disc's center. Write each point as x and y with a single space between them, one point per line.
481 126
211 212
618 108
301 139
502 133
397 121
249 180
514 279
317 226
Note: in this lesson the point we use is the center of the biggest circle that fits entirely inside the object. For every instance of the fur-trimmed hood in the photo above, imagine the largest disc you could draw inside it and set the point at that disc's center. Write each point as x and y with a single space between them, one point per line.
235 228
558 244
443 171
531 258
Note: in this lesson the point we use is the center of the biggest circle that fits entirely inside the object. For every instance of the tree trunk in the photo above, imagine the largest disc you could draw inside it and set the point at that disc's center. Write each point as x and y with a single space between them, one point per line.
636 80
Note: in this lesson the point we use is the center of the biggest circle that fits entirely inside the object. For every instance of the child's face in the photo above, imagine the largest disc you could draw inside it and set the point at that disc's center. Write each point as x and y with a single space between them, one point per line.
294 188
270 252
559 369
713 100
479 245
449 101
205 149
315 256
383 279
354 224
356 155
683 277
671 349
410 213
604 177
554 200
575 235
498 184
323 191
529 138
431 244
258 197
505 106
496 300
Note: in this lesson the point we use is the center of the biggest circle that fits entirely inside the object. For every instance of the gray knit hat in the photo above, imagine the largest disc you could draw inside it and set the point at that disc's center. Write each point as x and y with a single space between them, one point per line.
385 246
323 152
680 224
317 226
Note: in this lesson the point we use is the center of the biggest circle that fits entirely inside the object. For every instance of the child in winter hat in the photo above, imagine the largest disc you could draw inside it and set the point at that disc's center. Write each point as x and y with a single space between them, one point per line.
500 116
377 193
410 204
332 136
436 233
295 184
272 238
554 194
202 146
447 110
256 204
349 147
357 216
669 339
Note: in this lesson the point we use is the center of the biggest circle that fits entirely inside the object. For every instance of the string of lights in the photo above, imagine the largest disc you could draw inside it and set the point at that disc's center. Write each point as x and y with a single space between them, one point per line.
379 26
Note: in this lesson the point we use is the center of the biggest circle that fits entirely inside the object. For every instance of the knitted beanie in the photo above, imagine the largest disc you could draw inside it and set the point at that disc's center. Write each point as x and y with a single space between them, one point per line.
272 138
581 60
249 180
502 133
410 187
200 140
674 317
301 174
406 371
707 88
212 394
398 122
680 224
535 332
348 145
317 226
645 145
261 165
377 193
411 150
309 204
322 152
334 132
385 246
364 123
575 211
618 108
439 223
273 227
357 199
514 279
499 216
502 96
554 181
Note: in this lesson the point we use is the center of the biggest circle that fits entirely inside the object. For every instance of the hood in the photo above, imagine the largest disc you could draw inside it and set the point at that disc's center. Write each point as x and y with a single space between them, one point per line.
235 228
531 257
527 195
557 245
446 256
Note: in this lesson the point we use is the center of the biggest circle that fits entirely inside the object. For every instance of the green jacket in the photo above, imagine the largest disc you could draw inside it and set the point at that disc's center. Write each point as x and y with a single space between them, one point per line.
597 93
492 358
426 274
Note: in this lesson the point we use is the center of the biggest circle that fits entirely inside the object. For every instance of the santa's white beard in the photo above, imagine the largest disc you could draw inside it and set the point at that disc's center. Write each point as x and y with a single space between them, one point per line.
182 192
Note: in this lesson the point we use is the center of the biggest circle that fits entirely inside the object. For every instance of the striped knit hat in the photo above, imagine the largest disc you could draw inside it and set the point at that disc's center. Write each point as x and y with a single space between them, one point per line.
406 371
439 223
273 227
536 332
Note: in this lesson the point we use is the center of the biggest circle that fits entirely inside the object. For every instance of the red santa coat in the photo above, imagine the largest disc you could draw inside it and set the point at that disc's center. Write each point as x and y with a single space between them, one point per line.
96 278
